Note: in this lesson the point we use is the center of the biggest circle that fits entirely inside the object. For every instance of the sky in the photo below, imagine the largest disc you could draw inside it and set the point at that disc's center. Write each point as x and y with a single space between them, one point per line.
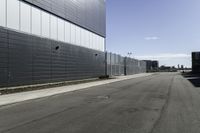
164 30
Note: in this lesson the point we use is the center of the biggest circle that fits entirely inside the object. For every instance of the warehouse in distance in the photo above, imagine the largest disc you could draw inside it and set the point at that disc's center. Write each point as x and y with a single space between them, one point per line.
196 62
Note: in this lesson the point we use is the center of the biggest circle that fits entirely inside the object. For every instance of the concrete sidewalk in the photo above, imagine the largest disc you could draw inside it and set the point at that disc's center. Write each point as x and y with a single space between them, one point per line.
24 96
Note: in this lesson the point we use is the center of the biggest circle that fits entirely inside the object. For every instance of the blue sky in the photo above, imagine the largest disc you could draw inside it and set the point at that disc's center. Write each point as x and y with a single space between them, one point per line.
166 30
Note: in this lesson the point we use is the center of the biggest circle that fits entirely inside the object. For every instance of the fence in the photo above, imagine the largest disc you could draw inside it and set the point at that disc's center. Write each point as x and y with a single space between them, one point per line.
118 65
115 64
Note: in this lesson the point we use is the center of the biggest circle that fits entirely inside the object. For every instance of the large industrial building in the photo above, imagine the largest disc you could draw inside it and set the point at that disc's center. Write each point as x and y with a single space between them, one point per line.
152 65
45 41
196 62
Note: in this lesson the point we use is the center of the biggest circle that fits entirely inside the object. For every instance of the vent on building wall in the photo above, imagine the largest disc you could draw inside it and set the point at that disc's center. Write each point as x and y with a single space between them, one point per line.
57 47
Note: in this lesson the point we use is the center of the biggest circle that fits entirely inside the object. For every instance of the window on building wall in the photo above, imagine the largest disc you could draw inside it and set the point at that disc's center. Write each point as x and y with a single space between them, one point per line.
103 44
53 27
3 13
13 14
93 44
96 42
78 36
82 37
25 17
67 32
73 34
99 42
92 40
87 39
36 21
45 24
89 44
61 30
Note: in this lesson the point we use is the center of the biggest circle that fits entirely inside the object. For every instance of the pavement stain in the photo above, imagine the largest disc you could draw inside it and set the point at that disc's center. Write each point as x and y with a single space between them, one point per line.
160 96
128 110
103 97
131 110
98 99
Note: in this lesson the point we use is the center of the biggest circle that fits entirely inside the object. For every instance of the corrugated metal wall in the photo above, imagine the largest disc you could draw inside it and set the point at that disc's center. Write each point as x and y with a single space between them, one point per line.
196 62
118 65
151 65
115 64
90 14
3 57
27 59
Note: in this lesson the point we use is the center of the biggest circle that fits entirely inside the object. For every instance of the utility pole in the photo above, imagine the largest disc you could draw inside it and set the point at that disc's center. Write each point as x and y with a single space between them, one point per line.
129 54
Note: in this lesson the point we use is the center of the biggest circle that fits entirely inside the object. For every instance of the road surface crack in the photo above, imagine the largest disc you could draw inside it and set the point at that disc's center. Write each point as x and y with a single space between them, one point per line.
164 107
35 120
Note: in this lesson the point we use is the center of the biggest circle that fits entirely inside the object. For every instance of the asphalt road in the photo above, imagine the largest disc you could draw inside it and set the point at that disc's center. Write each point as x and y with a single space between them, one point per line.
161 103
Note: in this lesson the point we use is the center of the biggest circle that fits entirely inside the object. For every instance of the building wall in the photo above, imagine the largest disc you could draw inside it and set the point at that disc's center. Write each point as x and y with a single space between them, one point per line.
27 59
44 41
133 66
155 65
89 14
118 65
152 66
115 64
23 17
196 62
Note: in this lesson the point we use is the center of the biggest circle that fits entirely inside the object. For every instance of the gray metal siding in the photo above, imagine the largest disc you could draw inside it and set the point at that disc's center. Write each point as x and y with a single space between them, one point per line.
196 62
90 14
41 60
133 66
26 59
20 58
118 65
3 57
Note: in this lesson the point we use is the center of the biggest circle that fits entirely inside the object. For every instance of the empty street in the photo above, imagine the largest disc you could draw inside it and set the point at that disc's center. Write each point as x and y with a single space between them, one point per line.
160 103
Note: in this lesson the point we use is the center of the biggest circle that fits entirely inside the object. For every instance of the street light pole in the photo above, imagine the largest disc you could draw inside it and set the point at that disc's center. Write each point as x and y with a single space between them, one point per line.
129 54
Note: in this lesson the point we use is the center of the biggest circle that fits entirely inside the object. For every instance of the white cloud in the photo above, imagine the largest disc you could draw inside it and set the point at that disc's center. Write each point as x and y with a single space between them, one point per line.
164 56
169 59
152 38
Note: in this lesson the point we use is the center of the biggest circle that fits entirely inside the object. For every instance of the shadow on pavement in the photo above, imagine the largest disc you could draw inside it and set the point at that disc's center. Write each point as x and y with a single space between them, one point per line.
193 78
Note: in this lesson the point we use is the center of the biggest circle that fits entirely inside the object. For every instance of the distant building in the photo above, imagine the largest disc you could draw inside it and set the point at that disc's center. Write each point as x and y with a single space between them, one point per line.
167 69
196 62
152 66
155 64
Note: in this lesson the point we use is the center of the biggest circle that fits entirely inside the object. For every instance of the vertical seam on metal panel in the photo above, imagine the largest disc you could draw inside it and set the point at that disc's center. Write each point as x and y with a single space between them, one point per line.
19 15
40 22
31 20
6 13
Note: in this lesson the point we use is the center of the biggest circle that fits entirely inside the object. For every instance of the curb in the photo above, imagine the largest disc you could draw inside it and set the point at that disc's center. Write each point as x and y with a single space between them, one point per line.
37 94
